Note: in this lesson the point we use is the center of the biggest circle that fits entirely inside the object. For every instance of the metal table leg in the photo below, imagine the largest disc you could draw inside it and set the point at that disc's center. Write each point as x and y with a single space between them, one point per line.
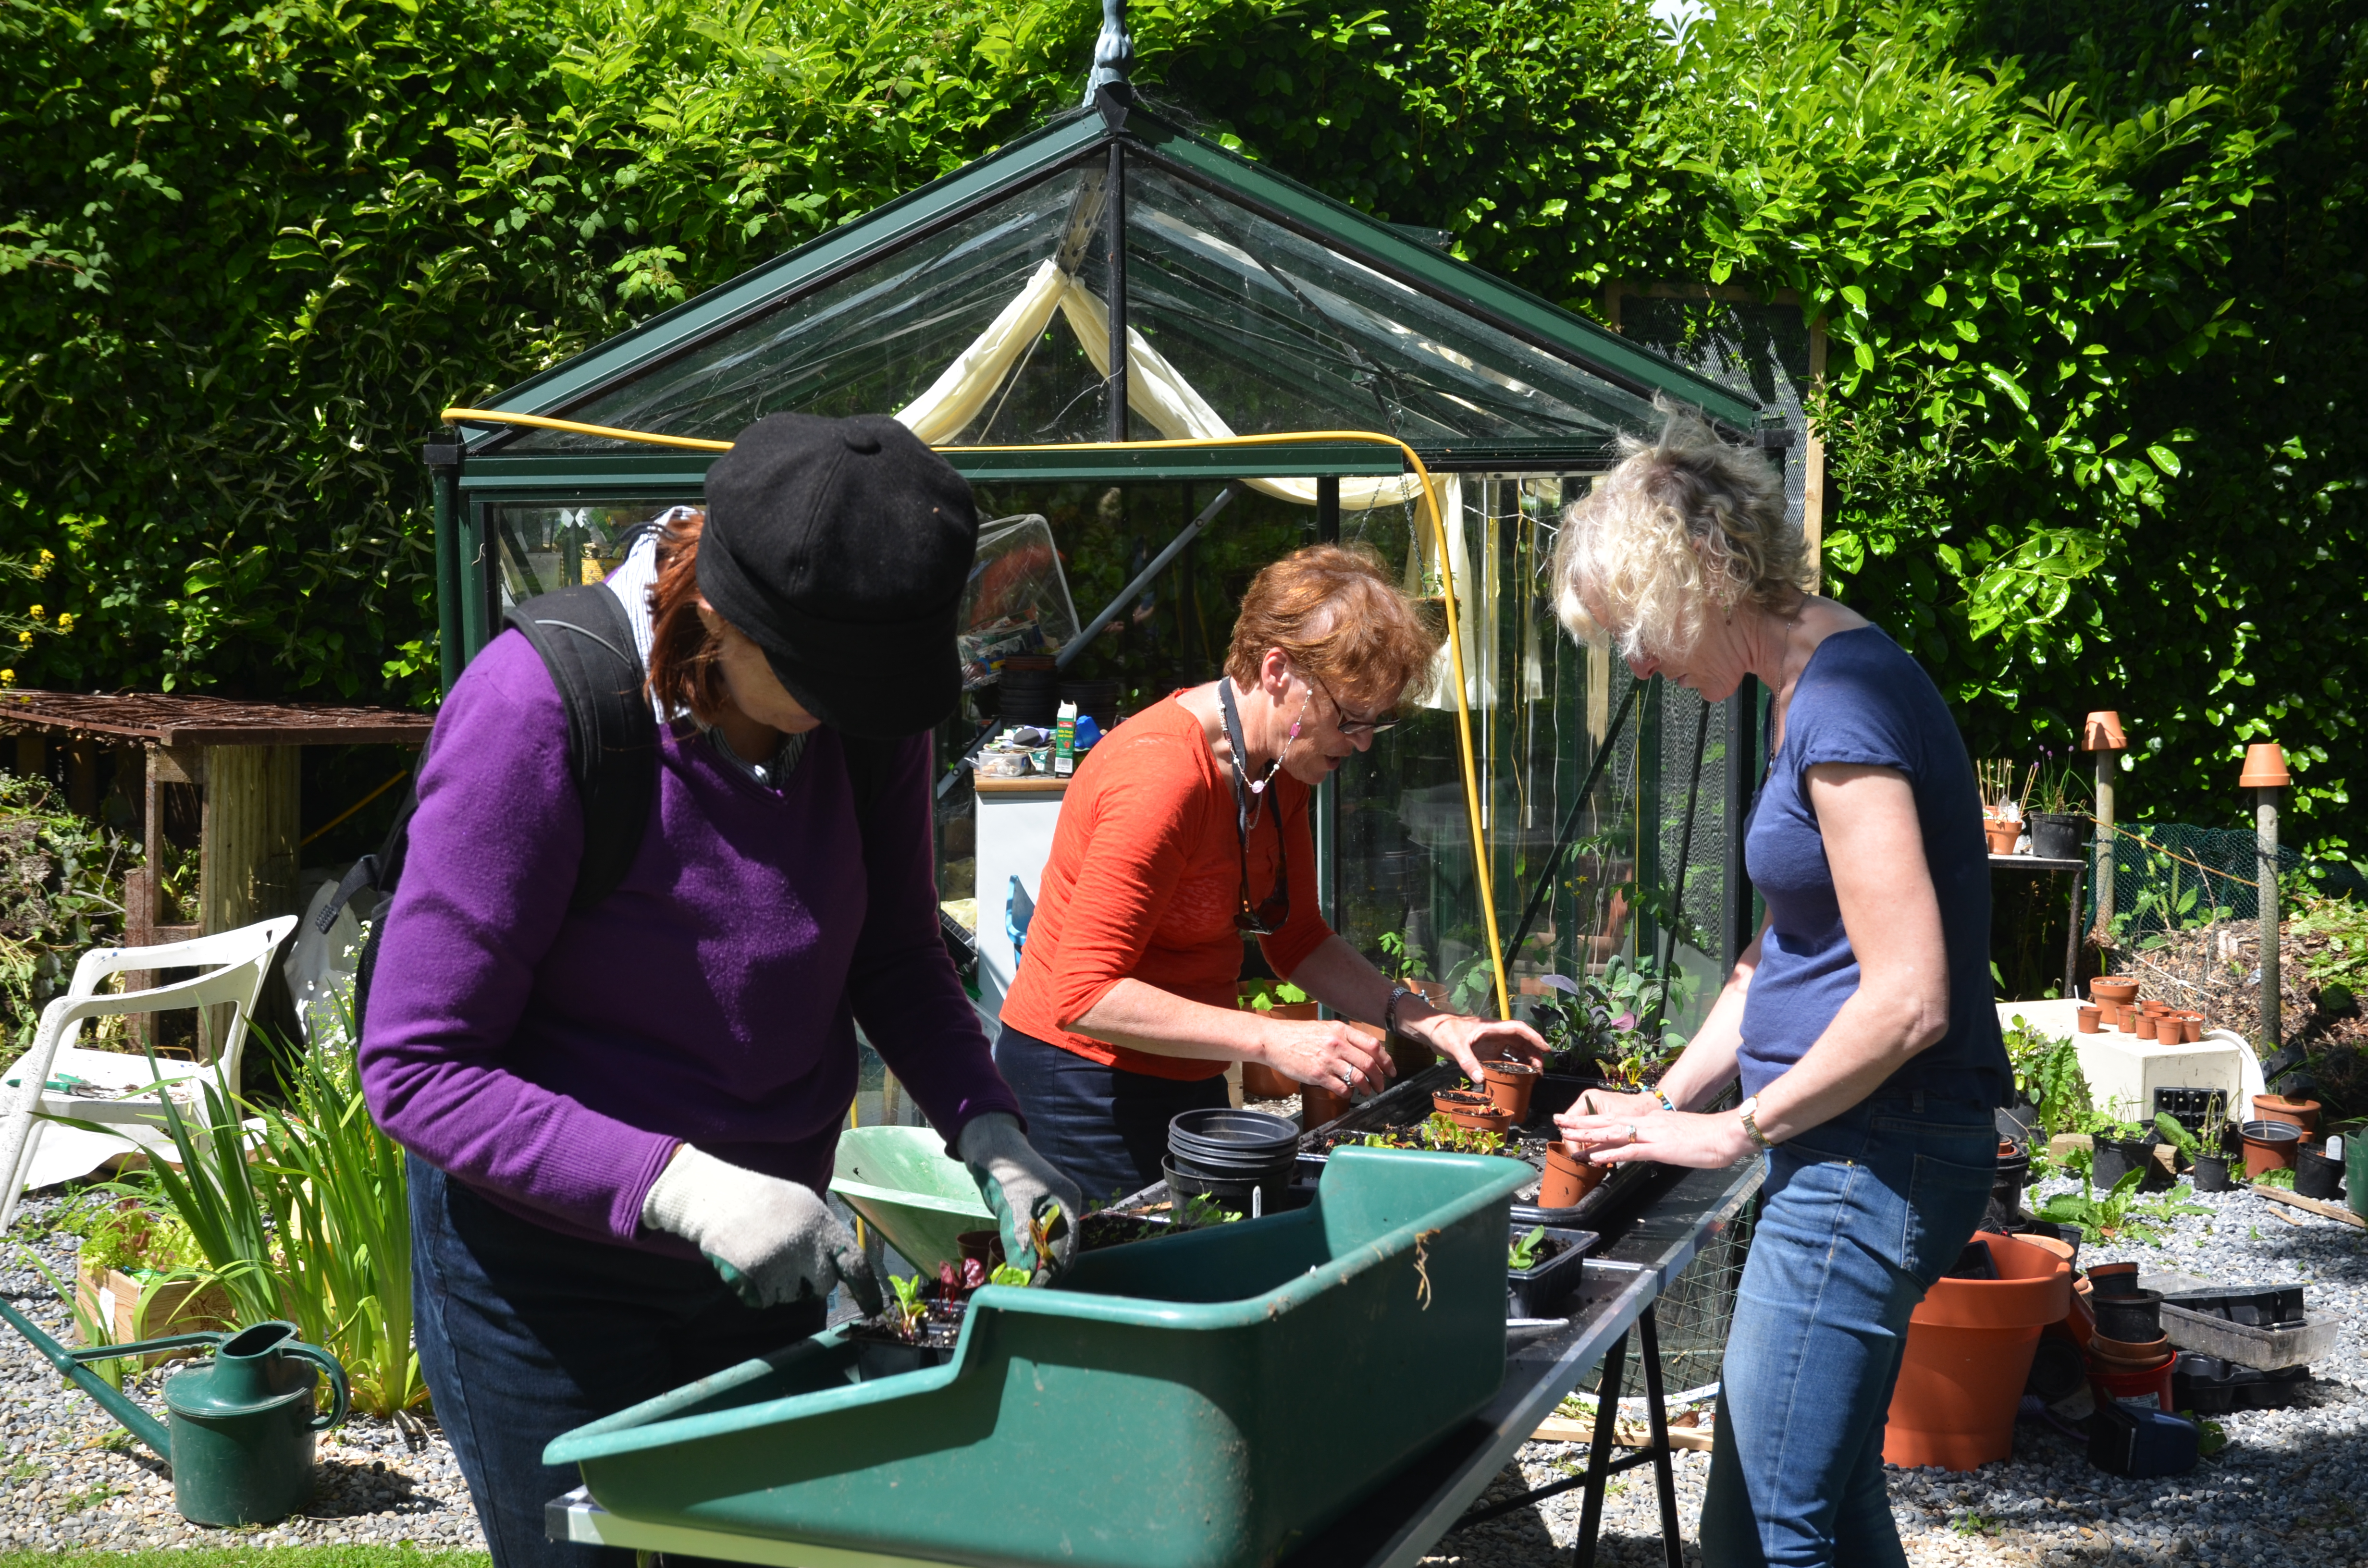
1601 1466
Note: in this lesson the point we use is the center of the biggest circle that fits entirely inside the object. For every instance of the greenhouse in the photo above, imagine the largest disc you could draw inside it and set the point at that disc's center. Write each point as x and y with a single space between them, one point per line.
1273 337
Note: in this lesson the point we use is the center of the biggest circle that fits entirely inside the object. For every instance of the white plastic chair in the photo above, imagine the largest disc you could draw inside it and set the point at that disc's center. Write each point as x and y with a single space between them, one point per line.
131 1091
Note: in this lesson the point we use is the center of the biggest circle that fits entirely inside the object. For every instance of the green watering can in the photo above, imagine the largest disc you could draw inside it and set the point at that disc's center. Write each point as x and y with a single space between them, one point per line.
241 1438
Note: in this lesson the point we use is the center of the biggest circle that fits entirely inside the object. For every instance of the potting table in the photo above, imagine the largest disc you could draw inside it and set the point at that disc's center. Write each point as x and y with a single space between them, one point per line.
1407 1515
2078 870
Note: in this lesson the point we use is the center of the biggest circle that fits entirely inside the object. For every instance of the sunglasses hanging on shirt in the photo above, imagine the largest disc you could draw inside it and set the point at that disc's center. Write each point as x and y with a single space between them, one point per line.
1274 912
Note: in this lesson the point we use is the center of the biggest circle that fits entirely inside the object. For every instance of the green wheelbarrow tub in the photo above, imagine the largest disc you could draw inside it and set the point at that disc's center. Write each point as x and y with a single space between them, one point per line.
1196 1401
901 1181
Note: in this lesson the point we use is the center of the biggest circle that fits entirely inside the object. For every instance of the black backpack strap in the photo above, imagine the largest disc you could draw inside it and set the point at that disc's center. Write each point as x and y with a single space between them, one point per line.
587 644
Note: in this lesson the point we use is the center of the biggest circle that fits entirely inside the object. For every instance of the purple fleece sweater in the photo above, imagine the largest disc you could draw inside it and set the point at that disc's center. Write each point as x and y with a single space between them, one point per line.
553 1061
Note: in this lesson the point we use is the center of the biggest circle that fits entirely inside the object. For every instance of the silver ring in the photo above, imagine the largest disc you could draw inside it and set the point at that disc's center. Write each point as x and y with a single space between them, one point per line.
1348 1078
1632 1132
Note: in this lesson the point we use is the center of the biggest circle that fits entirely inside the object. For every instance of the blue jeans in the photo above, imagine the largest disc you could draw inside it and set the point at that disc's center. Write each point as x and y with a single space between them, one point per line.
1859 1217
525 1334
1103 1128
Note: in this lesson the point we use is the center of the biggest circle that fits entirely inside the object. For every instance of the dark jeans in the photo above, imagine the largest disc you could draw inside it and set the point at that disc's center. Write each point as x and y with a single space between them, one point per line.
525 1334
1106 1129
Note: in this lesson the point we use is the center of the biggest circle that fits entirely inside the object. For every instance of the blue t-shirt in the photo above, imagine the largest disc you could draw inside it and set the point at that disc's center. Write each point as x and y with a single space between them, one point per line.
1863 699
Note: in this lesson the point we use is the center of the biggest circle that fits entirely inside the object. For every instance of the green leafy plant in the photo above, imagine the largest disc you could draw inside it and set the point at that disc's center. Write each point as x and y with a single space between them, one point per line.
2120 1212
1280 993
1402 961
2278 1177
316 1228
1522 1255
910 1306
1010 1274
2047 1071
2176 1134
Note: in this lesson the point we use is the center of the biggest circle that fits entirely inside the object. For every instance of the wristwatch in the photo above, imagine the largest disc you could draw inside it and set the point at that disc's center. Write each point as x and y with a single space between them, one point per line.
1390 1008
1750 1108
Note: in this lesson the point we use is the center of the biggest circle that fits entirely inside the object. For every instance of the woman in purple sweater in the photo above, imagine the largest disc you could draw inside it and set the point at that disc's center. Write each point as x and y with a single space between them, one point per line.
620 1119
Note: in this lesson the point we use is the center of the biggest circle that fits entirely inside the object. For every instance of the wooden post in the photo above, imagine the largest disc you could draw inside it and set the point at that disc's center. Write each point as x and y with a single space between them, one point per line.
2265 773
2103 735
32 755
248 859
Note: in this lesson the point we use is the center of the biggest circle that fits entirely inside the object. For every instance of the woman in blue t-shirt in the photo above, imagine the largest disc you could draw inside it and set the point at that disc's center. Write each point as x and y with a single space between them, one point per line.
1860 1020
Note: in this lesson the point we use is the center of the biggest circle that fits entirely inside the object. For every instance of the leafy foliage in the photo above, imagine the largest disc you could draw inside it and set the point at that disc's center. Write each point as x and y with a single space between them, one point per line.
2121 1212
2093 278
61 882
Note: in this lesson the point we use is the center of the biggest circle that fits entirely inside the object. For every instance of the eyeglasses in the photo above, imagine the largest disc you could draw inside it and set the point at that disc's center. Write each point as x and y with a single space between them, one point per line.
1351 728
1274 914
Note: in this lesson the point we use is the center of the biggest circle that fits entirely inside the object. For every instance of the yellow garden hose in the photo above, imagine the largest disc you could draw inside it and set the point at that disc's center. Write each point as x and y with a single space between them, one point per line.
1438 535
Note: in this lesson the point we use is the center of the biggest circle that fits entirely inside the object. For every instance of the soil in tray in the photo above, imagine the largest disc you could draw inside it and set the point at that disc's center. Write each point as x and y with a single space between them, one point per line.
1436 1131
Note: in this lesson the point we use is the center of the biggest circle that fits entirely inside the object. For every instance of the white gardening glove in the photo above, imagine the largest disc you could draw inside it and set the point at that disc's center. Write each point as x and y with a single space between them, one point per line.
1020 1185
772 1240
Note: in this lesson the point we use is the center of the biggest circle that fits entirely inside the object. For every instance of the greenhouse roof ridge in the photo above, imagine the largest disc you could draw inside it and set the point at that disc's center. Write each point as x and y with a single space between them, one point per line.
1071 144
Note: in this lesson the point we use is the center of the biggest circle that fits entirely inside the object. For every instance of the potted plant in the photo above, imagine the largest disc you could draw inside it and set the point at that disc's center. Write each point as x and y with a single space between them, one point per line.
135 1279
1568 1177
2001 803
1509 1084
2056 826
2210 1152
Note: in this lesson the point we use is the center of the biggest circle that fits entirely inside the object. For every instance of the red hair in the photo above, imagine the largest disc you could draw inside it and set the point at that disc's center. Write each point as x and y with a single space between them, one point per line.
1335 611
685 667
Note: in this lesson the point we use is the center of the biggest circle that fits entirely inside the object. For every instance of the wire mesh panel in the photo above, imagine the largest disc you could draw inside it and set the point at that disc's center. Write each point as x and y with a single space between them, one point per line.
1695 1313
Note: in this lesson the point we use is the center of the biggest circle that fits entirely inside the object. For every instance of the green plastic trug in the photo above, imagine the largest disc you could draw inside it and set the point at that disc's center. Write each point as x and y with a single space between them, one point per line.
1199 1401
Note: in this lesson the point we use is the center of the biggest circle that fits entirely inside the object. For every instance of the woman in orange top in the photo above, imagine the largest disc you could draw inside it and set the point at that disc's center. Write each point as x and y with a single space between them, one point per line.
1187 828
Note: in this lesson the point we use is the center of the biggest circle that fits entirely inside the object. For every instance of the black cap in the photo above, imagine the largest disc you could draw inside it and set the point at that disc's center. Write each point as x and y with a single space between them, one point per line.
840 547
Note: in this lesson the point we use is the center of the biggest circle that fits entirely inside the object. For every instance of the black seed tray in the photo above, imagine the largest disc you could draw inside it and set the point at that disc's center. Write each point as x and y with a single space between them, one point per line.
2209 1386
2268 1306
1536 1292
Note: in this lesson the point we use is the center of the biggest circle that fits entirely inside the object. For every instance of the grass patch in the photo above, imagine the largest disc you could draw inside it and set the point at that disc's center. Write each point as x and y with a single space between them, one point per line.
256 1557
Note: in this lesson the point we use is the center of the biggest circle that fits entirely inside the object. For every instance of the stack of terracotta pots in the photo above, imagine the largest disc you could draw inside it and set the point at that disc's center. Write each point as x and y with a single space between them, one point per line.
2129 1354
2115 1005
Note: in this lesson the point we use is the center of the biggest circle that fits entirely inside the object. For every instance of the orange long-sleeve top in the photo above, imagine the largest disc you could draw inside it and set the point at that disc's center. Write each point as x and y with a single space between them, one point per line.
1144 882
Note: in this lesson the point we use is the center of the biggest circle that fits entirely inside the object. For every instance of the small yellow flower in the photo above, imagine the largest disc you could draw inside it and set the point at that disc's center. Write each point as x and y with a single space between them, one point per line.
66 620
8 678
37 612
26 638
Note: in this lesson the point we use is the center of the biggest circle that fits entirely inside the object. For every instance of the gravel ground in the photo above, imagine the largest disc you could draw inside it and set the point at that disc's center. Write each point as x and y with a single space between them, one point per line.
2290 1488
72 1478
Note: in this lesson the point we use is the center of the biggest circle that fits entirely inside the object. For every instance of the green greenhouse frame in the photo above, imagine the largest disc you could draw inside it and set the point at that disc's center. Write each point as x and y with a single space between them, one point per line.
1295 313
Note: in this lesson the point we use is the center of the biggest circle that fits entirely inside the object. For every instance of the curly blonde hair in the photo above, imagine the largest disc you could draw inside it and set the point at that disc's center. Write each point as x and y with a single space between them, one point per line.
1685 525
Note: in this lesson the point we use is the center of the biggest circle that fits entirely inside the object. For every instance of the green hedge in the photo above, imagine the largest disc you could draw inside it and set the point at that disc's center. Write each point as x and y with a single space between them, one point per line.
2096 297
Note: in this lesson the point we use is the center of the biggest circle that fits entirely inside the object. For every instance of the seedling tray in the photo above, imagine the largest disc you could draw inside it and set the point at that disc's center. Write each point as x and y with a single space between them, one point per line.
1406 1104
2209 1386
1536 1292
2266 1349
1149 1412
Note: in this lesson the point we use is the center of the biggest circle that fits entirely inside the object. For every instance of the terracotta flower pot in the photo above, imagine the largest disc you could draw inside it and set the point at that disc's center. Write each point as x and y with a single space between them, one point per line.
2109 1014
2293 1113
2091 1019
1510 1084
2121 1355
2271 1145
1261 1082
2190 1028
2143 1027
1318 1107
1568 1177
2117 989
2002 836
1452 1100
1969 1349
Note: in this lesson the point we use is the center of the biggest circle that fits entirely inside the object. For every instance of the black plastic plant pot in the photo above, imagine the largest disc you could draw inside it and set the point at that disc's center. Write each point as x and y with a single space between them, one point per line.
2058 1371
2112 1159
2317 1176
1223 1133
2056 835
2211 1174
2006 1187
2134 1319
1235 1196
2113 1279
1537 1290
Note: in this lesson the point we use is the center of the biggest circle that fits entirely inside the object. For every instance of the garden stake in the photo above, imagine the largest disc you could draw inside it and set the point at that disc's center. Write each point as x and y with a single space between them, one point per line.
2103 735
240 1440
2265 773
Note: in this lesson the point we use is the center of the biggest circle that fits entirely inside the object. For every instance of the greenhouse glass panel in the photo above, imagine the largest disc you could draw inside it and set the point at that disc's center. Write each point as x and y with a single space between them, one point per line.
1278 333
870 342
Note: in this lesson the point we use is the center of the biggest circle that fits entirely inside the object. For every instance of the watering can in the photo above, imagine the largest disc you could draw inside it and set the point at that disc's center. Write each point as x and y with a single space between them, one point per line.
240 1440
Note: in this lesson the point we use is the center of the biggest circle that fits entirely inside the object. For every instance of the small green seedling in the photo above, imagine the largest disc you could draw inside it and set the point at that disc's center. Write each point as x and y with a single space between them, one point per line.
1522 1255
911 1307
1010 1274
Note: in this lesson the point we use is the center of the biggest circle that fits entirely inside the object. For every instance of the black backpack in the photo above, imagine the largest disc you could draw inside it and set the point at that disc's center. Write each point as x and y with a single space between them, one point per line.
587 644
